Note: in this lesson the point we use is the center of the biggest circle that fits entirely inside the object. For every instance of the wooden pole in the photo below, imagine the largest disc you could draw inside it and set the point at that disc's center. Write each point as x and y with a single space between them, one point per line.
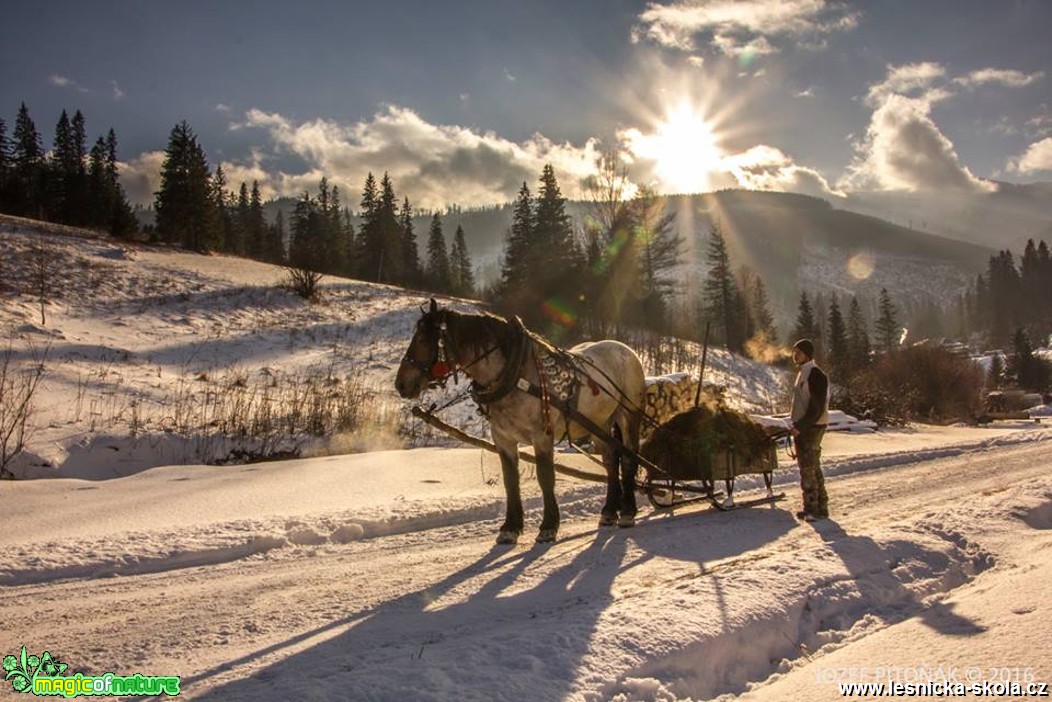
423 414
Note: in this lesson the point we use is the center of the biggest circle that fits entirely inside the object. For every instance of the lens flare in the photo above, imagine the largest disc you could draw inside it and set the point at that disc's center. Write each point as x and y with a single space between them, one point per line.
559 312
860 266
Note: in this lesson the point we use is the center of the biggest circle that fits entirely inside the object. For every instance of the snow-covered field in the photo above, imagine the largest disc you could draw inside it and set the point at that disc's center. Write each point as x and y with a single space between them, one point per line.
373 576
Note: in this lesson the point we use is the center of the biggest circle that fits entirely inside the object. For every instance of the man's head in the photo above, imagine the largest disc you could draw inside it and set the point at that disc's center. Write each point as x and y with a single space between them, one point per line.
803 351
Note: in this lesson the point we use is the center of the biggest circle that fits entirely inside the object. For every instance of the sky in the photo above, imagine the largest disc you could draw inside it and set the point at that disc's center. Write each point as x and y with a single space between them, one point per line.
461 102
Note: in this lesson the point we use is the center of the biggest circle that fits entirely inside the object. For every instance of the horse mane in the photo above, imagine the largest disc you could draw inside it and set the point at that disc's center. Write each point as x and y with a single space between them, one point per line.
478 330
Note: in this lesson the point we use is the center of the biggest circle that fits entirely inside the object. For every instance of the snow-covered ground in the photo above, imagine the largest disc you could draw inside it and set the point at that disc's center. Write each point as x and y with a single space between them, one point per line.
373 576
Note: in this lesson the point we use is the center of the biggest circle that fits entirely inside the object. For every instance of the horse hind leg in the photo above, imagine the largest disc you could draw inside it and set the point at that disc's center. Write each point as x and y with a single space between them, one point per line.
611 462
629 438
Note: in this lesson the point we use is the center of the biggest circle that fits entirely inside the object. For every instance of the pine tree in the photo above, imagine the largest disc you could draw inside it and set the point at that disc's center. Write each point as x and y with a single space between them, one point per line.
857 338
184 207
837 342
460 268
237 242
257 225
391 233
519 257
1030 371
557 256
27 165
887 326
5 165
306 246
410 252
437 268
806 327
370 241
659 254
720 294
122 221
63 170
760 309
997 371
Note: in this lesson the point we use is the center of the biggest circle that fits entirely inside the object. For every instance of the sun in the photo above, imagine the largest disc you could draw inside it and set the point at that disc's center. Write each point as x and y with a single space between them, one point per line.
684 149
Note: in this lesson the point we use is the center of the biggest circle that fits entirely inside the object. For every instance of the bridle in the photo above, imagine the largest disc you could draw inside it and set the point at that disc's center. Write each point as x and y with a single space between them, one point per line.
440 367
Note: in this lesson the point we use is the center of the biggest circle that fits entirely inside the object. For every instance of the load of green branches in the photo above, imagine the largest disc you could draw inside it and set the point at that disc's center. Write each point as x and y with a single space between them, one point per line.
686 446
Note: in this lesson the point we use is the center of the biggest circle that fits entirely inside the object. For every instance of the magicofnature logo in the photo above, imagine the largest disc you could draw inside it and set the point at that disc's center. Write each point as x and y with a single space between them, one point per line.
42 675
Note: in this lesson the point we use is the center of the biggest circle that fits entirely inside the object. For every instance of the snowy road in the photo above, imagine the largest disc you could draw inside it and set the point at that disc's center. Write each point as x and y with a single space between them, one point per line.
685 607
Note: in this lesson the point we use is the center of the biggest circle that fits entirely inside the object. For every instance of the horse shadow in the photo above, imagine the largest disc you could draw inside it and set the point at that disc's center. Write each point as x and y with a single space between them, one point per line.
873 566
484 644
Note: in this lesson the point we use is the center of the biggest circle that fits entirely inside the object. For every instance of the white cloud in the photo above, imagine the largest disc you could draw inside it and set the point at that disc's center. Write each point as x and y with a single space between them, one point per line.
1038 157
732 47
118 94
906 79
1011 78
765 167
141 177
676 23
806 93
434 165
903 149
64 82
223 108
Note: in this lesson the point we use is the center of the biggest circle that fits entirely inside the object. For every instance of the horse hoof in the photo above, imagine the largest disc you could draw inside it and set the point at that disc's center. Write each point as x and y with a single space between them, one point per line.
547 536
626 520
607 520
507 537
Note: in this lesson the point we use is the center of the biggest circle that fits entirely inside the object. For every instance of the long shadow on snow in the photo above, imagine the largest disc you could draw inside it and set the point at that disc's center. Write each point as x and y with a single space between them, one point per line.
880 570
404 649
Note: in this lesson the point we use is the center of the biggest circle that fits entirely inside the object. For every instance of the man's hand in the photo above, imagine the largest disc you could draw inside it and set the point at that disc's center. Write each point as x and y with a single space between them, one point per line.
794 431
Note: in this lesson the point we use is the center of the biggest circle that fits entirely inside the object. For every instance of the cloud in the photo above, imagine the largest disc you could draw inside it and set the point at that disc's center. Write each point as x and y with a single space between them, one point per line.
1038 157
141 177
734 23
64 82
806 93
118 94
222 108
1040 125
749 50
1011 78
434 165
903 148
908 78
765 167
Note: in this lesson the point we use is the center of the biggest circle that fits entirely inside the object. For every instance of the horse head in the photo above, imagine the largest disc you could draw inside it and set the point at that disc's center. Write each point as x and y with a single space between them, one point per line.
424 363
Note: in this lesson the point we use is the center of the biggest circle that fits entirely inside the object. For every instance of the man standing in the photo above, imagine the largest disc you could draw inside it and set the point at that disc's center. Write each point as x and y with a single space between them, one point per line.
810 415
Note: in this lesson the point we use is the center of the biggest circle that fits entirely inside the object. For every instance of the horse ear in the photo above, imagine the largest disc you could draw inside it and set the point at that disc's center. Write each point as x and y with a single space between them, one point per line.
434 305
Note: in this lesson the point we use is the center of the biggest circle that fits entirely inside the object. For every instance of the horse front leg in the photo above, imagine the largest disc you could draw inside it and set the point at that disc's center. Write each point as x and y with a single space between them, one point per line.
509 466
546 479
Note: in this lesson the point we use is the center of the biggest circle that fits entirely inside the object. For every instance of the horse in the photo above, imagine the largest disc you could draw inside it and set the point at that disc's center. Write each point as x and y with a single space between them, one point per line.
523 383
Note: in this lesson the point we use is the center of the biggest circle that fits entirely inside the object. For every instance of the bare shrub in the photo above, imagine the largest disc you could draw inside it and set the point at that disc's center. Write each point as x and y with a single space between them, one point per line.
303 282
922 383
18 385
